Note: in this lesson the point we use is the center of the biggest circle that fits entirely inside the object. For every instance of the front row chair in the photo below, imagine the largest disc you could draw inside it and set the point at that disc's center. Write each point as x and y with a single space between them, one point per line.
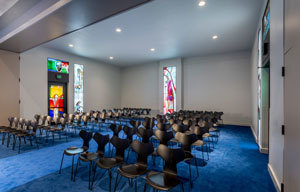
108 163
72 151
167 179
132 171
90 157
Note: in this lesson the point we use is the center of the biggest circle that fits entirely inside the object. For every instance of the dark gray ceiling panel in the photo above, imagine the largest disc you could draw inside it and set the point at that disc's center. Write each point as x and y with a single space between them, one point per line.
73 16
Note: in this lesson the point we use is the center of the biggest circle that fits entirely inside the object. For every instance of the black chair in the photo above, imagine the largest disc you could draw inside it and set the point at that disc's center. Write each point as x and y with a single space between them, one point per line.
132 171
163 126
186 143
72 151
167 179
145 134
108 163
90 157
115 129
163 136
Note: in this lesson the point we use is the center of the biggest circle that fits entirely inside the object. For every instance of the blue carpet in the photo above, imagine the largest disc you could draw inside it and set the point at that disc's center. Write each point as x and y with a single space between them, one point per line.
234 165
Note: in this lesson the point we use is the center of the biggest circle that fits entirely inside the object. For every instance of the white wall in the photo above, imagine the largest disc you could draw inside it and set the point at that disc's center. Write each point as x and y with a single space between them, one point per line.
139 85
229 75
219 83
276 92
9 86
101 81
276 89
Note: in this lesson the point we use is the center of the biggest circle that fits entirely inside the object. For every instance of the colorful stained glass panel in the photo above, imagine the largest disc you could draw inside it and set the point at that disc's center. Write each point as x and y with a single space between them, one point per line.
78 88
56 100
58 66
169 89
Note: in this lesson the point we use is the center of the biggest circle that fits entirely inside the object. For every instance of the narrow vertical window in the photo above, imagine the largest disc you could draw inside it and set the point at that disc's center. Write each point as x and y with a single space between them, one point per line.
78 88
169 89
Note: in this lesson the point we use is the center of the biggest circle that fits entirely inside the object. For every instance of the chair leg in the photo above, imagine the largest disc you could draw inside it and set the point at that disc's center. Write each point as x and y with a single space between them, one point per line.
110 176
8 140
30 139
72 172
76 169
19 144
93 179
145 186
14 143
196 166
191 183
37 144
61 163
66 135
182 188
52 137
116 182
3 138
135 186
207 152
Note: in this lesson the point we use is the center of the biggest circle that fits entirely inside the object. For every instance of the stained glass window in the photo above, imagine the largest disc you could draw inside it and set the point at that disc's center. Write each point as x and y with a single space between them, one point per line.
169 89
78 88
56 100
59 66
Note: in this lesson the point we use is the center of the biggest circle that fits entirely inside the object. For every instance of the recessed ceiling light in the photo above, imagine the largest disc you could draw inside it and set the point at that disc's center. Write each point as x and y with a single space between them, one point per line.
215 37
119 30
111 58
71 45
202 3
152 49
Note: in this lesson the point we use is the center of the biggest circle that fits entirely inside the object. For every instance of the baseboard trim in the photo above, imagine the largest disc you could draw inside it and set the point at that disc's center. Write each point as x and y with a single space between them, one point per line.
237 124
254 134
263 150
274 178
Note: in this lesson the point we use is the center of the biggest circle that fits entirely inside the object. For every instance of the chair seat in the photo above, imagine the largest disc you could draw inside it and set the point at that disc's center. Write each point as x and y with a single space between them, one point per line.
174 140
212 129
198 143
162 181
132 170
73 151
88 156
108 163
188 155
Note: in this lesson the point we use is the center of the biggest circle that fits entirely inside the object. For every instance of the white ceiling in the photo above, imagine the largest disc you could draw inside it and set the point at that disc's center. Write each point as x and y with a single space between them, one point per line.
175 28
5 5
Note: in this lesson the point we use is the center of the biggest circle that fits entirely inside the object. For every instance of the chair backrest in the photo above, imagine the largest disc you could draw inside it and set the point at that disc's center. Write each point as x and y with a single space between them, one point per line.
34 125
179 128
86 137
63 122
37 118
85 118
172 157
101 140
115 129
56 120
16 123
121 145
22 123
143 150
145 134
186 122
49 120
129 132
163 126
71 118
186 140
11 121
27 125
164 136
